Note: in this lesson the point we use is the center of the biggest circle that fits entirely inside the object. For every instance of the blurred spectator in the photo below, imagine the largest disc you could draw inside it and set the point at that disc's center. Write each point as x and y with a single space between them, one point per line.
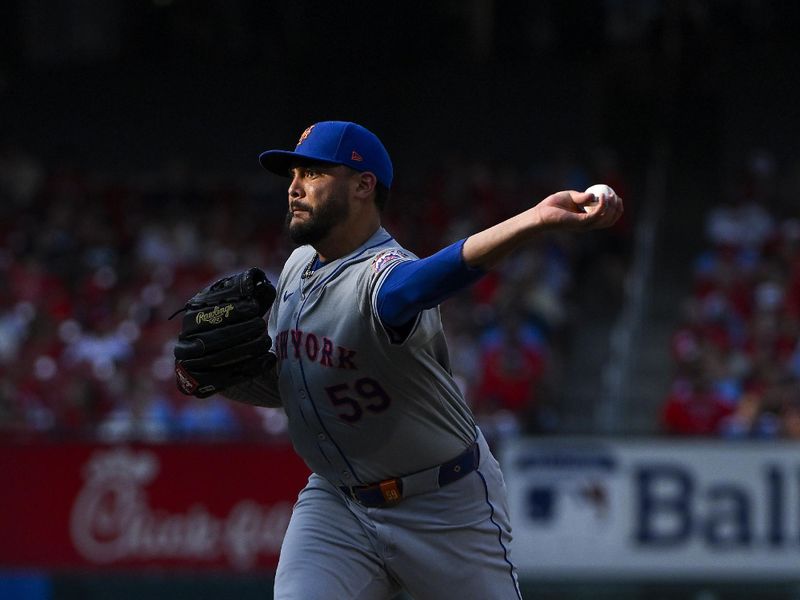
512 364
208 418
695 407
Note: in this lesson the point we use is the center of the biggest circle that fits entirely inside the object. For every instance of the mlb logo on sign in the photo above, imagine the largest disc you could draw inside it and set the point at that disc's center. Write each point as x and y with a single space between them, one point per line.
541 501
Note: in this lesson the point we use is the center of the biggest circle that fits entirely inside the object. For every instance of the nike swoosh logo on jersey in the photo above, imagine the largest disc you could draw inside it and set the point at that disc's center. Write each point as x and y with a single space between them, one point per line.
286 295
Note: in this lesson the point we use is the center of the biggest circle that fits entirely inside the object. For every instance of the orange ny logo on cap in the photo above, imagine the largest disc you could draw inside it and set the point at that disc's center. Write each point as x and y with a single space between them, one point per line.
305 134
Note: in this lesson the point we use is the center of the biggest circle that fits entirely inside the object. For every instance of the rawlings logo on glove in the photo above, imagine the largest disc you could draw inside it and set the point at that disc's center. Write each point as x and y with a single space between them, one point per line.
215 316
223 340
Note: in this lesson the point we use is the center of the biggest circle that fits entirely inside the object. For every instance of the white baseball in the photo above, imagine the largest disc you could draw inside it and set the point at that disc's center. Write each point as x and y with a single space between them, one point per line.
598 189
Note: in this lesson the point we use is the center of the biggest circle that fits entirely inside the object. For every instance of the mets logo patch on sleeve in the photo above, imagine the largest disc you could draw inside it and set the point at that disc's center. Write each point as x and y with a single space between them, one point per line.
387 257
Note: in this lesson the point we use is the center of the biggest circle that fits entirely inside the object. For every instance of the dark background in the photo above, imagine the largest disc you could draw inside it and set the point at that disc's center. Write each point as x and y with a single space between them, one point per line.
126 84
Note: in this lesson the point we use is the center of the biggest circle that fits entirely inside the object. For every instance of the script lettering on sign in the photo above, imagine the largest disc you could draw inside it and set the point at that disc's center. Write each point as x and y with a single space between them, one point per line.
112 519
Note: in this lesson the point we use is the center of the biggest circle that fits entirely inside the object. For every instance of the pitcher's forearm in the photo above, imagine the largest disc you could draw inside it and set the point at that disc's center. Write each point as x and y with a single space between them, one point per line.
490 246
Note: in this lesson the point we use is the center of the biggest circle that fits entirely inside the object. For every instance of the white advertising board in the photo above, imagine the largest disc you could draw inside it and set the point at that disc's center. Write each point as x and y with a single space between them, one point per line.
654 508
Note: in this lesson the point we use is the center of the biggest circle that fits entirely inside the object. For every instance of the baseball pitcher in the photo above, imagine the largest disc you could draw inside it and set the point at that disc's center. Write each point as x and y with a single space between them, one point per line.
404 492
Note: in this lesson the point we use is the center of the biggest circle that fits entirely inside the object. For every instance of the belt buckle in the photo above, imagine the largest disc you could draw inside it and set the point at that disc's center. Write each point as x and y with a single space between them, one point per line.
391 491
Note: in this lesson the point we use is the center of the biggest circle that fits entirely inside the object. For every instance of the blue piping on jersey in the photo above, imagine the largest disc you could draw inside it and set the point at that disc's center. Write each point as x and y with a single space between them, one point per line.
302 412
338 270
499 535
342 266
325 456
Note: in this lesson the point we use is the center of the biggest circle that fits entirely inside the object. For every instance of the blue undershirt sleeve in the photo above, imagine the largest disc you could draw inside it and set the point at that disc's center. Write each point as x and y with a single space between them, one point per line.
416 285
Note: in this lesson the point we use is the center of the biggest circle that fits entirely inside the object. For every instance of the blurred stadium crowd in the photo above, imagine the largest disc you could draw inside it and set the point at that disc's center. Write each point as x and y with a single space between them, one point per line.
737 353
93 265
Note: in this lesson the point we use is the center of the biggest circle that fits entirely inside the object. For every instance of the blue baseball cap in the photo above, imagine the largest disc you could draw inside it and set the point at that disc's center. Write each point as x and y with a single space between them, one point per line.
338 143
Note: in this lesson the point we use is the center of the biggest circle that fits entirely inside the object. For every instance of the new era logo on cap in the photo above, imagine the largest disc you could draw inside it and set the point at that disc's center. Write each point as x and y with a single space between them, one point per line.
335 142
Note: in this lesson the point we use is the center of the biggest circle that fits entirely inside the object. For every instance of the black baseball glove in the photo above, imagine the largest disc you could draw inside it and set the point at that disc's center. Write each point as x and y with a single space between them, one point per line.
224 338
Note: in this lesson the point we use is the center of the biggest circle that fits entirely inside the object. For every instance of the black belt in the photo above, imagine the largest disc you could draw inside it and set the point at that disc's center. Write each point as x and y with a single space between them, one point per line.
390 491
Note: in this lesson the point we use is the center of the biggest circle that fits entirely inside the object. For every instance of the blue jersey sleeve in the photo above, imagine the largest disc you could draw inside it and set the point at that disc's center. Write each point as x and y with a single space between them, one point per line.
415 285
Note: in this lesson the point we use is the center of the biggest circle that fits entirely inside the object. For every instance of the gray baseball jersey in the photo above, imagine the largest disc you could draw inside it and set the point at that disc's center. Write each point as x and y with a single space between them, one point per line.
361 407
365 406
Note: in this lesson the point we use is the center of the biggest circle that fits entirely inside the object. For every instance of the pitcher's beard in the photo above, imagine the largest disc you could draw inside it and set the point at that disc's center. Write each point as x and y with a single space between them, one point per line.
320 221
